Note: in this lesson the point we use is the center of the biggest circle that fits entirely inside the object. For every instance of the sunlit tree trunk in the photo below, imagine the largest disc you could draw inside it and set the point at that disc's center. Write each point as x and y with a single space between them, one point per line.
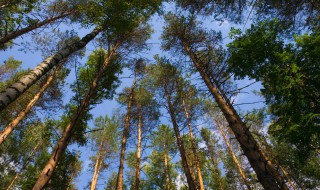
19 87
233 156
25 30
138 156
185 165
97 167
166 166
10 127
266 173
125 133
69 130
193 146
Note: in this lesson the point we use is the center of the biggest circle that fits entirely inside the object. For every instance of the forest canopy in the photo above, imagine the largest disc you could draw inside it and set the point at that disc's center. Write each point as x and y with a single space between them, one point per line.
181 94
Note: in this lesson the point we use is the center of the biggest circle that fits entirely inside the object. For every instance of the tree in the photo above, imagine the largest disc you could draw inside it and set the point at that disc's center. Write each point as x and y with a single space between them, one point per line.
190 103
289 75
98 64
115 17
160 169
182 35
10 127
104 138
148 114
165 77
125 134
15 90
213 152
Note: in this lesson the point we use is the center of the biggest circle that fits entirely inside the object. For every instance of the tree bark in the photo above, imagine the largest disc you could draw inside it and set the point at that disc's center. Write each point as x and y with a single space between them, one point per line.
10 127
19 87
266 173
69 130
97 168
125 133
25 30
193 146
233 156
138 157
166 166
185 165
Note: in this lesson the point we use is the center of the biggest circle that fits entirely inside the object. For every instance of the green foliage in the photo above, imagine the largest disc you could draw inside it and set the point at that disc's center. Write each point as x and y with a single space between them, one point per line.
163 143
105 133
155 173
107 83
118 16
290 76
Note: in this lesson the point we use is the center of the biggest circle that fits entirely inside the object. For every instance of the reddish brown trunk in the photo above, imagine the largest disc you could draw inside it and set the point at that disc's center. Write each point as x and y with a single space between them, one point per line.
185 165
25 30
67 133
266 173
10 127
233 156
138 157
193 146
124 139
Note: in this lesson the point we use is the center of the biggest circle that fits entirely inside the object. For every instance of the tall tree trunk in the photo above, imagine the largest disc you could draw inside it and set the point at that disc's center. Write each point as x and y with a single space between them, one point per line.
97 167
19 87
10 127
185 165
268 149
138 157
69 130
166 166
233 156
193 146
25 30
125 133
266 173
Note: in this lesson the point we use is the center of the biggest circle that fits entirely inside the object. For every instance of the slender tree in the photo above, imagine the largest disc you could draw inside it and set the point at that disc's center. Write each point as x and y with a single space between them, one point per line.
125 134
165 77
105 139
212 148
160 169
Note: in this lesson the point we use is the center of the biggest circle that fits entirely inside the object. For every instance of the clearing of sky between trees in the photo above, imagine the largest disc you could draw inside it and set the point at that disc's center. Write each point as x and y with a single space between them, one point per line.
224 95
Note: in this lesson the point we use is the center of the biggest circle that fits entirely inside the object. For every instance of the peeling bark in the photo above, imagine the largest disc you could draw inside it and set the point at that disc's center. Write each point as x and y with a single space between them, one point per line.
23 84
11 126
